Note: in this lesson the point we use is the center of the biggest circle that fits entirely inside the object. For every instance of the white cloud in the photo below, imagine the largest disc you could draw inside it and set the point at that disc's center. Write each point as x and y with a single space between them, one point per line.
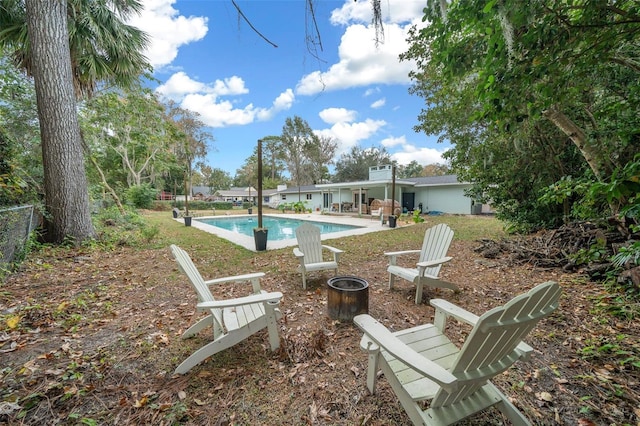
167 30
230 86
337 115
379 103
391 142
282 103
423 156
371 91
362 63
409 152
285 100
216 113
350 134
180 84
393 11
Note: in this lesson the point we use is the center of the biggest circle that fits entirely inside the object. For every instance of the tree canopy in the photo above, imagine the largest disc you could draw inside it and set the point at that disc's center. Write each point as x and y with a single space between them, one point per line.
530 92
354 165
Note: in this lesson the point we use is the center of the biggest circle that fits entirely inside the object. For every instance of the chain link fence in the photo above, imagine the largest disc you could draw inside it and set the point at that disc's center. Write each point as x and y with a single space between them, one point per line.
16 224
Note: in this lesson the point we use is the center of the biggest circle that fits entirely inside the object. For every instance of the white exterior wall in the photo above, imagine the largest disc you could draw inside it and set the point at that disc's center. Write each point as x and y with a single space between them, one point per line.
314 203
446 199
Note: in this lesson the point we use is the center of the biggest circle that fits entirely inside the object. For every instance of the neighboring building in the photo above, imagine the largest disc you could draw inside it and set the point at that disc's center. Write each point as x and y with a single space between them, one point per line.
237 195
200 192
164 195
271 197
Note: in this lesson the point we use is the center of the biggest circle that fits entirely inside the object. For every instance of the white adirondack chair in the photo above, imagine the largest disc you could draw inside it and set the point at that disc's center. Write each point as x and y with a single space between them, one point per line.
435 245
310 252
422 364
233 320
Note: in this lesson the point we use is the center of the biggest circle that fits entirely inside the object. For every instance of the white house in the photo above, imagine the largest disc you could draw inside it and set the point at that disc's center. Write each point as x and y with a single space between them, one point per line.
429 194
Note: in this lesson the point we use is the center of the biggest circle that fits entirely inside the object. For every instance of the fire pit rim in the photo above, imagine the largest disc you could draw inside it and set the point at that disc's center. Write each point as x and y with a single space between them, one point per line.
362 281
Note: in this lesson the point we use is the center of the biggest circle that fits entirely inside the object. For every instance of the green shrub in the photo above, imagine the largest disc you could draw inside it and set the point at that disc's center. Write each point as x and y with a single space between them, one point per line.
222 205
141 196
203 205
161 206
131 229
417 218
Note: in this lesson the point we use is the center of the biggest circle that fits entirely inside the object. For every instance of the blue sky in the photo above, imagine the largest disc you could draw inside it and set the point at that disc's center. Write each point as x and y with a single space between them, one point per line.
210 61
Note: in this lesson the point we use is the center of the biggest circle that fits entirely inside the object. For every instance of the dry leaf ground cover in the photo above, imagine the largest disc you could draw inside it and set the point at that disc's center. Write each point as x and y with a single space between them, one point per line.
93 336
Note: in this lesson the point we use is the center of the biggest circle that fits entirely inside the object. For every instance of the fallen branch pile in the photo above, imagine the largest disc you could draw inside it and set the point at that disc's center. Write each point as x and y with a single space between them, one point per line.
564 247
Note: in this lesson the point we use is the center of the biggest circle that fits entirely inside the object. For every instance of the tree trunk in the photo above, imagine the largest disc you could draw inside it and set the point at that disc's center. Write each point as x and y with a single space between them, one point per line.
593 156
65 180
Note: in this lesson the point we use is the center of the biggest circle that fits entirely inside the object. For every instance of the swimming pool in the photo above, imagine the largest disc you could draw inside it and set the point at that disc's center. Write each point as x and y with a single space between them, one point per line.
354 226
280 228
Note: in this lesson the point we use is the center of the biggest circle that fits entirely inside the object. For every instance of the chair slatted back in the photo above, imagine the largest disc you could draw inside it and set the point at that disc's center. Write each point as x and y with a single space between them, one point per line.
189 269
491 347
309 242
435 245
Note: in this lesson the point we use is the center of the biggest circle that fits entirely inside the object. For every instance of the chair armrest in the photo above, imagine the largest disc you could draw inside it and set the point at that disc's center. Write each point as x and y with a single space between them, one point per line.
245 277
434 262
525 351
379 334
446 309
253 278
398 253
333 249
298 253
272 298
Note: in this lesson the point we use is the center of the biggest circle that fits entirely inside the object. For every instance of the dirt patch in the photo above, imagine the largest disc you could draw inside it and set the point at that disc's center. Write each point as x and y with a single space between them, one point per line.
98 338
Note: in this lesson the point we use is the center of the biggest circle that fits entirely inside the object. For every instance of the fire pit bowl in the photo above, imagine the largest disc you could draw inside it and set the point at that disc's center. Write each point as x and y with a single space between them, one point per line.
347 297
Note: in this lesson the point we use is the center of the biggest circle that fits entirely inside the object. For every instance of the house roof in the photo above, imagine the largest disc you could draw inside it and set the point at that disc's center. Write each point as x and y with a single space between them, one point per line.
303 188
237 192
204 190
436 180
410 182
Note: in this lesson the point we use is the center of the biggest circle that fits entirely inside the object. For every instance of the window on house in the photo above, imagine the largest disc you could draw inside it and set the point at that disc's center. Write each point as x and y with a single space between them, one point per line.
283 197
309 196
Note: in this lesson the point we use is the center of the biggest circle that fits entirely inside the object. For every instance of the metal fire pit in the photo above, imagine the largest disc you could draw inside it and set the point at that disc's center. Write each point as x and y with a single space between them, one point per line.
347 297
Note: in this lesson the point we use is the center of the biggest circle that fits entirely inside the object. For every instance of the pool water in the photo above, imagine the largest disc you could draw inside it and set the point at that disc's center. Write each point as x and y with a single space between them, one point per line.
280 228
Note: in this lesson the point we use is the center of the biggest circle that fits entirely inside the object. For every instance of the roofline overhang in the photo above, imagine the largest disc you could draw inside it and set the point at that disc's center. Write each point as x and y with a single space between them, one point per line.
364 184
443 184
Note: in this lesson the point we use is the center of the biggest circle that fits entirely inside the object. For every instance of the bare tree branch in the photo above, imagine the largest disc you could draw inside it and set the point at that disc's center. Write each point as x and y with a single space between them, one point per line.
251 25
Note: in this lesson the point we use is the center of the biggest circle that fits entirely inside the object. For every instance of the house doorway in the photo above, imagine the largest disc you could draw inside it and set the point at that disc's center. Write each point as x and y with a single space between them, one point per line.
327 199
360 199
408 201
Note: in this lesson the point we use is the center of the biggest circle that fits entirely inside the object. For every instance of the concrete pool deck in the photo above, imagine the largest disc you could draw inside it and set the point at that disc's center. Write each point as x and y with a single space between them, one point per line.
365 225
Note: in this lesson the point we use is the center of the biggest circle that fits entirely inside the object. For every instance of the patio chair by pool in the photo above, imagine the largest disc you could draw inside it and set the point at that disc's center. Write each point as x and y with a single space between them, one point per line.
310 252
376 213
233 320
422 364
